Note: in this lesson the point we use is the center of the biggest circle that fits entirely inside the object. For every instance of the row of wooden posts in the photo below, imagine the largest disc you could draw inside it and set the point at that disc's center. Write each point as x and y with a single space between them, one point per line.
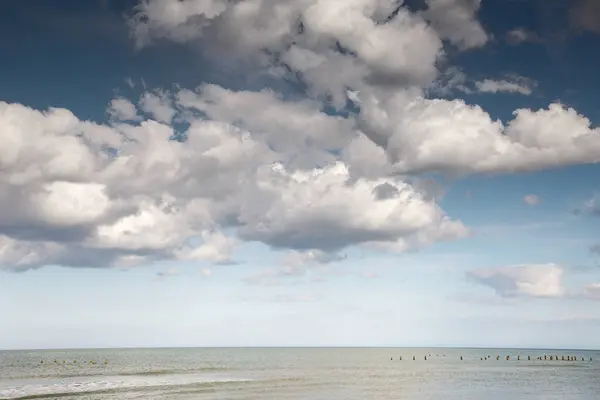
74 362
539 358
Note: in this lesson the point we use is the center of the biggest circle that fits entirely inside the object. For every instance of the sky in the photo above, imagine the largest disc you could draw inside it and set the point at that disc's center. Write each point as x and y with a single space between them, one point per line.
299 173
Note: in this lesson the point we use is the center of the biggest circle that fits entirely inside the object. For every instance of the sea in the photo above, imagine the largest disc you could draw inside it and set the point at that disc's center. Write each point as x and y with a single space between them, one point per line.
300 373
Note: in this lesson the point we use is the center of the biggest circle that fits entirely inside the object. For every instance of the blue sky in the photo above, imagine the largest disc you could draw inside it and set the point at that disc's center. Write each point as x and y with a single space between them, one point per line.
250 257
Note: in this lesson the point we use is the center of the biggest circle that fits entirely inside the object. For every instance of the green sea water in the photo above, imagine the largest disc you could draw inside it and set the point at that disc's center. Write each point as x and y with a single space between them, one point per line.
299 373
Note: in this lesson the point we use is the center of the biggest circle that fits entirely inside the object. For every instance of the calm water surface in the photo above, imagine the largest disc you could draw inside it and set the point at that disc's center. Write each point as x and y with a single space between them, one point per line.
297 373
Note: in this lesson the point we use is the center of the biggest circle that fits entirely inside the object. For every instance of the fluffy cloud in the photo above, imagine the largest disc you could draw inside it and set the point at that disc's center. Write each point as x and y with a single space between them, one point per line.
82 194
158 105
456 20
331 45
541 280
355 50
297 128
421 135
211 168
123 110
320 209
531 199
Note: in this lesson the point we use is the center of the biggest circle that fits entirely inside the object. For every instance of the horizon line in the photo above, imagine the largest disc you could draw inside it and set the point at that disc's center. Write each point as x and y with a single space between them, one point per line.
300 347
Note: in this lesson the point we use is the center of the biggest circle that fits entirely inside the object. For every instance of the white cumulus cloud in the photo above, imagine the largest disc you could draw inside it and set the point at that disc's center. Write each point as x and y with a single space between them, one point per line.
529 280
300 172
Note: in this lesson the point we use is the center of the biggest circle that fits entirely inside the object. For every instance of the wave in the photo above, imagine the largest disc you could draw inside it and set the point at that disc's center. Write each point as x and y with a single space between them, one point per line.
157 372
115 385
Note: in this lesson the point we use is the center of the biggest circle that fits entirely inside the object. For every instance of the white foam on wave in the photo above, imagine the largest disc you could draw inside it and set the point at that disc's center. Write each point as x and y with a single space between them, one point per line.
104 383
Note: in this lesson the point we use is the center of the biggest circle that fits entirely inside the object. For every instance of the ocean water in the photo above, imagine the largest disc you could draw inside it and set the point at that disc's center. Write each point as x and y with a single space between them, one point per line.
298 373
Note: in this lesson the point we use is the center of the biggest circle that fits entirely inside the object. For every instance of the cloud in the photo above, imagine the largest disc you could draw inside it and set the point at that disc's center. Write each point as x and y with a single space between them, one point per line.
332 60
135 196
456 20
529 280
592 291
130 82
421 135
215 248
295 265
595 249
496 86
206 272
123 110
590 207
158 105
332 46
168 273
450 80
298 127
532 200
521 35
454 79
311 173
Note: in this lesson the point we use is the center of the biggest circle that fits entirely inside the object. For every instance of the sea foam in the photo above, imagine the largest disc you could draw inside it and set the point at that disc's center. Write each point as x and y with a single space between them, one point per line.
88 384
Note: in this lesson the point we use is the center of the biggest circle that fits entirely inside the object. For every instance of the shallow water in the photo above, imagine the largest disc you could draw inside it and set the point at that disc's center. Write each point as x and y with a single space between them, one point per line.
297 373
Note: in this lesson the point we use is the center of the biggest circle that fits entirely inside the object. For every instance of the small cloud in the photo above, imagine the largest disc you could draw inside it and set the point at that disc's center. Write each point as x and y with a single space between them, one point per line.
353 96
295 258
159 105
520 35
215 247
123 110
296 265
450 80
528 280
130 82
206 272
592 291
590 207
167 273
503 85
531 199
595 249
